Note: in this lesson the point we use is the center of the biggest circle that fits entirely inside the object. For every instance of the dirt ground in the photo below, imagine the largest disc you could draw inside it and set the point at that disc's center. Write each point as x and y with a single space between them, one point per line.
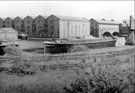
28 44
31 46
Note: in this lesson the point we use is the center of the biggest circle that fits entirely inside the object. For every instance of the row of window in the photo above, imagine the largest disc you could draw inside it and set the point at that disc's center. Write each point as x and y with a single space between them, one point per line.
110 27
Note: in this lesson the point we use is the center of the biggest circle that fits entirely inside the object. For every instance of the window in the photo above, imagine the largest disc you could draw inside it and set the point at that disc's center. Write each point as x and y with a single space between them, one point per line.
28 22
52 27
8 23
38 21
28 27
51 21
40 27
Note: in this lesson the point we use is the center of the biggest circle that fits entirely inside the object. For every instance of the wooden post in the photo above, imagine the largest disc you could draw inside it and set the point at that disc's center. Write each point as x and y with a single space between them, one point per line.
44 48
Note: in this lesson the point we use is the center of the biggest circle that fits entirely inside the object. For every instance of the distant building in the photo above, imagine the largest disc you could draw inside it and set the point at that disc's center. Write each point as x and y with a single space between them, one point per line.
124 28
18 24
1 23
67 27
8 22
40 26
28 26
101 27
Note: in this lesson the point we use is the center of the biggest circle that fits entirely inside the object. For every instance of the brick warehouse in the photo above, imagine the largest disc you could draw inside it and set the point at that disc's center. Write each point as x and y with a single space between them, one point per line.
1 23
40 26
8 22
18 24
28 26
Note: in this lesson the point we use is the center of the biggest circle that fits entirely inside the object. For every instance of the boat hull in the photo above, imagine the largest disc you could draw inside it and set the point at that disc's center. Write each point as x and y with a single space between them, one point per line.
64 47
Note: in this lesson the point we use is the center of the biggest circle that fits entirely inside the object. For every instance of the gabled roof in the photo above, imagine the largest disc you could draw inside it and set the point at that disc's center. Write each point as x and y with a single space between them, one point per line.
40 16
71 18
28 17
7 30
104 21
18 18
8 18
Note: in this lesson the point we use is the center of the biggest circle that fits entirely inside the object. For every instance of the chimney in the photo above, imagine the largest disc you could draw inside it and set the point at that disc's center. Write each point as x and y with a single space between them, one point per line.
112 20
132 23
103 19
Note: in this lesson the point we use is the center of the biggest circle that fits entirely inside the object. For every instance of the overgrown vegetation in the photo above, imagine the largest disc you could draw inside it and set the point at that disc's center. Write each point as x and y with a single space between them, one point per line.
12 50
15 60
103 79
114 74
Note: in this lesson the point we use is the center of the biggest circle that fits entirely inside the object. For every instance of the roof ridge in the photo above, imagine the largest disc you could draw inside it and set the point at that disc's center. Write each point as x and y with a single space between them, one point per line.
72 18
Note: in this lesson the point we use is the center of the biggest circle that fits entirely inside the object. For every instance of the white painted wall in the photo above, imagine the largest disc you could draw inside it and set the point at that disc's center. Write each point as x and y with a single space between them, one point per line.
69 29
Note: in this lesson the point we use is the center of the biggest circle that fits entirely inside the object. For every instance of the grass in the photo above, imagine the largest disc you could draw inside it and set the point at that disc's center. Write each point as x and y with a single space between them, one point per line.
49 82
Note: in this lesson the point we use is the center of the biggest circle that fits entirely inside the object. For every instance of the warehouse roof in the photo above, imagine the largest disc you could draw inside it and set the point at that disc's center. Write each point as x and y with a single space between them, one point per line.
104 21
7 30
71 18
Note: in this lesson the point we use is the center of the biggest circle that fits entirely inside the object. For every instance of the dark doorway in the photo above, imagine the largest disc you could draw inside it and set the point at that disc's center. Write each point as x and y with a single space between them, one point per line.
107 34
116 34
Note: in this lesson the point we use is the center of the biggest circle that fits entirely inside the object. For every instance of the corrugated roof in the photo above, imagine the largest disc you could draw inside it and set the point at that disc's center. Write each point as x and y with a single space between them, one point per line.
72 18
106 21
7 30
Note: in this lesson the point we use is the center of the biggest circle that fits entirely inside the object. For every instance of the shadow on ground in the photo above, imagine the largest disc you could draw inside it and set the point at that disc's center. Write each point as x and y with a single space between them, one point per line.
34 50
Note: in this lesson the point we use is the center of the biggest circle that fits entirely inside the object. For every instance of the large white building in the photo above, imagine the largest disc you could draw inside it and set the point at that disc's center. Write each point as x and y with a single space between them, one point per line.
99 27
67 27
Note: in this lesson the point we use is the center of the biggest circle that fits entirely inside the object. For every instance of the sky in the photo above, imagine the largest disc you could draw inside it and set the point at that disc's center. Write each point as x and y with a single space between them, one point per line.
117 10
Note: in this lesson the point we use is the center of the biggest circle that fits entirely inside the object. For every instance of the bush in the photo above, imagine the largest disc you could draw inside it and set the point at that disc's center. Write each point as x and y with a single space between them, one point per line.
14 54
77 48
101 80
12 50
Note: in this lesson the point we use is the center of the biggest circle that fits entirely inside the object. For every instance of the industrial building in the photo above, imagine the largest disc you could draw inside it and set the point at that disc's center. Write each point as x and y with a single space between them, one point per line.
1 22
40 26
28 26
123 28
67 27
8 22
101 27
18 24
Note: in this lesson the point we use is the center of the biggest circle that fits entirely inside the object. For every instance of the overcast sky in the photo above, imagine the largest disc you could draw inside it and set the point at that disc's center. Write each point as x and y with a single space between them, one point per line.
117 10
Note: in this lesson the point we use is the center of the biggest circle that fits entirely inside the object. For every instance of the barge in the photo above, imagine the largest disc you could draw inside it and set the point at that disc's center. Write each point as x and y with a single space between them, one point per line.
63 46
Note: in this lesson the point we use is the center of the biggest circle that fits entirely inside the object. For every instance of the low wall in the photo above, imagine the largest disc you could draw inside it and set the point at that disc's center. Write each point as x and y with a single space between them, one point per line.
81 59
84 61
